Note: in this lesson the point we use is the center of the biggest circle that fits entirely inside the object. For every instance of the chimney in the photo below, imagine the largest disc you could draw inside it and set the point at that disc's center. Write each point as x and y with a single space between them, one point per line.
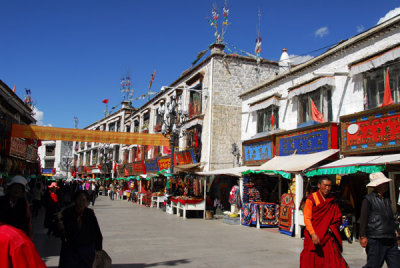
126 104
217 48
284 61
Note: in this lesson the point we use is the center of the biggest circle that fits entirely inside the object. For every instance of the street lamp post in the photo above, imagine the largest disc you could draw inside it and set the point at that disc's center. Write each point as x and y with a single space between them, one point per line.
173 118
105 156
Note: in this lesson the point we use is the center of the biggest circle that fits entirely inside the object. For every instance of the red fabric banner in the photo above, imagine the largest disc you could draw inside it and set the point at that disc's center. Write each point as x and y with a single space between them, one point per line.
387 97
316 115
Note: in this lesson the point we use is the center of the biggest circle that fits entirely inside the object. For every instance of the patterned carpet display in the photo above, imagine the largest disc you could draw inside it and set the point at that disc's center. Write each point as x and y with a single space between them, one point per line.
286 215
246 214
269 215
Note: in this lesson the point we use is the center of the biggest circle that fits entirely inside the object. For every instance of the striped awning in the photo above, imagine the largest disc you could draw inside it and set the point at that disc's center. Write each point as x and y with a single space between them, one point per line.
375 61
274 100
310 86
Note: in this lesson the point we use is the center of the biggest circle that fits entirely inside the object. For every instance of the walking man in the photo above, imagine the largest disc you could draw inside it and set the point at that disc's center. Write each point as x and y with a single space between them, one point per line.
322 240
377 225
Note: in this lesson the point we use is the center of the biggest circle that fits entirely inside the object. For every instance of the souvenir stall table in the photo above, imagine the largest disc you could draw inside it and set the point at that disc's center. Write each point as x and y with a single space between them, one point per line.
189 194
186 203
157 188
157 199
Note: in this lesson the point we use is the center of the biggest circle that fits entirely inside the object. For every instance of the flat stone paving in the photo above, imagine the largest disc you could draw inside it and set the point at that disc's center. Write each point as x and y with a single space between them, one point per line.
138 236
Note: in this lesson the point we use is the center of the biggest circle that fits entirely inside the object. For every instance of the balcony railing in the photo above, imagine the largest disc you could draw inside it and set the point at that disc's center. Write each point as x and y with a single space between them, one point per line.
194 108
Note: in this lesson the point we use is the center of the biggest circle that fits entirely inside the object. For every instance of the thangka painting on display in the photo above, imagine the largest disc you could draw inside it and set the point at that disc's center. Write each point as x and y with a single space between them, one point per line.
286 215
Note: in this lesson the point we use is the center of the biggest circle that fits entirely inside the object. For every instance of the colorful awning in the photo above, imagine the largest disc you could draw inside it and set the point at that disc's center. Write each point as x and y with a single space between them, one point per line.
354 164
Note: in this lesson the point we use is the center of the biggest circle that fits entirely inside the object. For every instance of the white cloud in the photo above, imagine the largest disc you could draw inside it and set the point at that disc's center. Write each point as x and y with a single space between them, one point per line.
360 28
38 115
389 15
321 31
295 59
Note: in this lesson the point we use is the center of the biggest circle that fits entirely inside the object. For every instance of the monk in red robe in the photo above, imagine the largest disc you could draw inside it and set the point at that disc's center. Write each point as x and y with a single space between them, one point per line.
322 240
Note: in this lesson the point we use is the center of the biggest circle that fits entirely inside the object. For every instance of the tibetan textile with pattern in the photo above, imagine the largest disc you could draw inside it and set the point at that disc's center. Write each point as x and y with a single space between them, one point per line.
286 215
269 214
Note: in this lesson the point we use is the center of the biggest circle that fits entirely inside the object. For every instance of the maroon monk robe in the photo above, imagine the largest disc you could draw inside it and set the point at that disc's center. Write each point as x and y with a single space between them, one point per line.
326 216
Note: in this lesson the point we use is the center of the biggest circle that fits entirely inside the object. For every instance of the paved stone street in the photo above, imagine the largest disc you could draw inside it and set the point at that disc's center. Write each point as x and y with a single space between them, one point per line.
138 236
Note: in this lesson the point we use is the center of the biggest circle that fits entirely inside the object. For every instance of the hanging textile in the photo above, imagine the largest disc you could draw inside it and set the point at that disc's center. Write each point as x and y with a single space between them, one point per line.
269 215
246 214
286 215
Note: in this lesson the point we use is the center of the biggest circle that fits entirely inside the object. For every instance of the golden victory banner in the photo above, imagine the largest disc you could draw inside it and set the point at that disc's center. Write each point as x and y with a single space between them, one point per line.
72 134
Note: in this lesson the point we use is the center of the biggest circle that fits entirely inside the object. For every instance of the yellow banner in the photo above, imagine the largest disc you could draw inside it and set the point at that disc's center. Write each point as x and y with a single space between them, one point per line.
73 134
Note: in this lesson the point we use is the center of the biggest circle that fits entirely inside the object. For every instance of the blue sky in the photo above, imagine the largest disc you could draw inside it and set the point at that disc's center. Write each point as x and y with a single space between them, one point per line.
72 54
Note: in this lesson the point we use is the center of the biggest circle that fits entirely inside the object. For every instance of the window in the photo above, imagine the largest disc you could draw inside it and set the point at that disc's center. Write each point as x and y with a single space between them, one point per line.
136 126
322 98
195 103
94 157
49 164
264 119
128 128
374 85
87 162
146 122
126 157
50 150
111 127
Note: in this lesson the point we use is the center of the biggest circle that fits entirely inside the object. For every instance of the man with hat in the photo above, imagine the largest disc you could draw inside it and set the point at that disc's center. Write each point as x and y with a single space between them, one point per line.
377 225
14 208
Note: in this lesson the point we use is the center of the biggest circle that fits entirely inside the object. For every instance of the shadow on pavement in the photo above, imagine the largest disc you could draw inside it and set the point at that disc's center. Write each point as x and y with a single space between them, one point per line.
143 265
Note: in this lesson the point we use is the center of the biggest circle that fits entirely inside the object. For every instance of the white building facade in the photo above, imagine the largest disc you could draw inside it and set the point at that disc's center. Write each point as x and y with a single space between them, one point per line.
56 158
348 79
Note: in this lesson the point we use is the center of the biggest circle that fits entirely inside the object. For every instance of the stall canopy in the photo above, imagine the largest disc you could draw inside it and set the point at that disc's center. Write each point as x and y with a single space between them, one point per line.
296 162
235 171
187 167
354 164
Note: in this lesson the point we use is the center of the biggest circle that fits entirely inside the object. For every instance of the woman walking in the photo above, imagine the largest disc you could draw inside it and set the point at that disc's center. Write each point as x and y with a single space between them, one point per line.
81 234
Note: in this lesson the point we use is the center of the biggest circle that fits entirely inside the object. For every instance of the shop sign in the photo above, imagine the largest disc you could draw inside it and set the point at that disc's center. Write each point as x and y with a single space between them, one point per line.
47 171
257 152
138 168
151 165
186 157
165 163
375 130
307 140
17 147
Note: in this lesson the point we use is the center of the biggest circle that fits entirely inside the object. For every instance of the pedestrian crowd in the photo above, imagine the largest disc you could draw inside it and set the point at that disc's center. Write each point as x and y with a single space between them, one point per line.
67 216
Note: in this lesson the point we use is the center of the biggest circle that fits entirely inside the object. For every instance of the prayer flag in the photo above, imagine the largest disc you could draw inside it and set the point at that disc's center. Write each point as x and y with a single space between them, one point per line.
387 97
196 141
105 101
115 167
272 120
316 115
